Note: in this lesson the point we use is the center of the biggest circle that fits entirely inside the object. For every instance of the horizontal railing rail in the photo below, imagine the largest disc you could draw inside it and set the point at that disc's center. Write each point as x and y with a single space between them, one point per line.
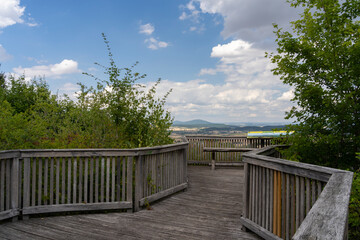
197 144
291 200
213 152
63 180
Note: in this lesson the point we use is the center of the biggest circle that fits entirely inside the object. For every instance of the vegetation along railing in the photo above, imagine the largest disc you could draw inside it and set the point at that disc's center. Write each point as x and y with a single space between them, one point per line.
198 143
47 181
291 200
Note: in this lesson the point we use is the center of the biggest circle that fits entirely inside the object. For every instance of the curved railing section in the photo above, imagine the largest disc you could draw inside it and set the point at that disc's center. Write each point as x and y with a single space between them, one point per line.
197 143
291 200
65 180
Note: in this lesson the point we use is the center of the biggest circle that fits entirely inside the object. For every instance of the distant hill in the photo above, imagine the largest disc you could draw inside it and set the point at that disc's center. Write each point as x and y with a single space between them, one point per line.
192 122
205 126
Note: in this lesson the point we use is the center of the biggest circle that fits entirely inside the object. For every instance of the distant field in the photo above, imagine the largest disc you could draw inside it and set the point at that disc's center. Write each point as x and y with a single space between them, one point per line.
180 129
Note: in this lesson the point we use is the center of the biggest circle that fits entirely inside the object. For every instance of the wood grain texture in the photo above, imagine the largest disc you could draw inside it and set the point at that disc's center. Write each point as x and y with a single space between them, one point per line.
209 209
326 219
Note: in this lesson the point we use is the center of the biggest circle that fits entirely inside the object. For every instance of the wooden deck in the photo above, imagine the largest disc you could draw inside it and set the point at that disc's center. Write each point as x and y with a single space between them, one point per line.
209 209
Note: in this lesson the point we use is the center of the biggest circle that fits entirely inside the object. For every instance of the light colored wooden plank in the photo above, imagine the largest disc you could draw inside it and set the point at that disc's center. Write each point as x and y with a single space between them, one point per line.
69 162
102 180
246 191
40 176
63 180
57 175
123 188
113 170
107 184
14 185
328 217
80 184
33 182
77 207
26 193
162 194
138 182
129 180
91 186
262 232
51 182
74 184
46 173
86 180
96 184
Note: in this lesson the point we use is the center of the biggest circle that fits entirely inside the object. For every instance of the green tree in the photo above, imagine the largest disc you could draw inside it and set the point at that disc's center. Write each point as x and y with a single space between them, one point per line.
116 113
320 60
139 116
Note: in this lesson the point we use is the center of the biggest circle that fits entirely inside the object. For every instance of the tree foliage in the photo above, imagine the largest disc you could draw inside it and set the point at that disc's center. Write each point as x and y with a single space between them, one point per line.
320 60
116 113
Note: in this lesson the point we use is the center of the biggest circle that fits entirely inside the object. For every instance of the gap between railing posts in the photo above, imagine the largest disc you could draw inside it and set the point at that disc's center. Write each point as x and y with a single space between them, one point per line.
291 200
67 180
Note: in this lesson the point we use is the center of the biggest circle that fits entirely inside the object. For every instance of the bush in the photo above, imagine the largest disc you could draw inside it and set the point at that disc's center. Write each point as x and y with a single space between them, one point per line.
117 113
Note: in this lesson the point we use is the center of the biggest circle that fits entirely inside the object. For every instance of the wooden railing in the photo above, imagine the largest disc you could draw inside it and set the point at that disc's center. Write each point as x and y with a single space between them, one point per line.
47 181
198 143
290 200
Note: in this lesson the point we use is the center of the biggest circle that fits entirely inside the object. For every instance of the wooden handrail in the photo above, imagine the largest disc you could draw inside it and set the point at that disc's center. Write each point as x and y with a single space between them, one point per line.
227 150
198 142
34 181
291 200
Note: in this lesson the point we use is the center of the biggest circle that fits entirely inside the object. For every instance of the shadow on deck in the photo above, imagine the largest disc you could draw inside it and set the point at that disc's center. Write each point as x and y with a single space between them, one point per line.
209 209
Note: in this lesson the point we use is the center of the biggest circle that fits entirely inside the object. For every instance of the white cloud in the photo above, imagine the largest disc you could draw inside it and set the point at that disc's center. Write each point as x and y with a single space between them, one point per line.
147 29
241 62
250 92
156 44
51 71
222 102
4 56
287 96
11 13
190 12
250 20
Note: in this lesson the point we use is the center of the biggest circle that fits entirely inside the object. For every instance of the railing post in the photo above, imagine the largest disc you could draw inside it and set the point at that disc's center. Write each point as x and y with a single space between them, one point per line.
185 157
138 183
26 190
15 186
129 186
246 193
213 161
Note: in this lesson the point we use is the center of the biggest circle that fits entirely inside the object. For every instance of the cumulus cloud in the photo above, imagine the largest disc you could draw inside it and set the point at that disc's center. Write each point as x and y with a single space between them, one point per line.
11 13
250 20
66 66
222 102
287 96
151 41
250 92
147 29
4 56
156 44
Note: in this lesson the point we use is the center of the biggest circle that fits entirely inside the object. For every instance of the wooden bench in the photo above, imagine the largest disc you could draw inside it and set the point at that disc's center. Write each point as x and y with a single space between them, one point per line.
215 150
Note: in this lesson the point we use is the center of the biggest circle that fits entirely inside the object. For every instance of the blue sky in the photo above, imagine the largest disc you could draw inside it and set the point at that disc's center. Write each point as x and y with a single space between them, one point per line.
210 52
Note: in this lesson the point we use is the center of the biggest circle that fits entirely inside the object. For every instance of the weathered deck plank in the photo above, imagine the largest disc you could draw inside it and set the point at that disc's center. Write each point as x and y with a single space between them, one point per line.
209 209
